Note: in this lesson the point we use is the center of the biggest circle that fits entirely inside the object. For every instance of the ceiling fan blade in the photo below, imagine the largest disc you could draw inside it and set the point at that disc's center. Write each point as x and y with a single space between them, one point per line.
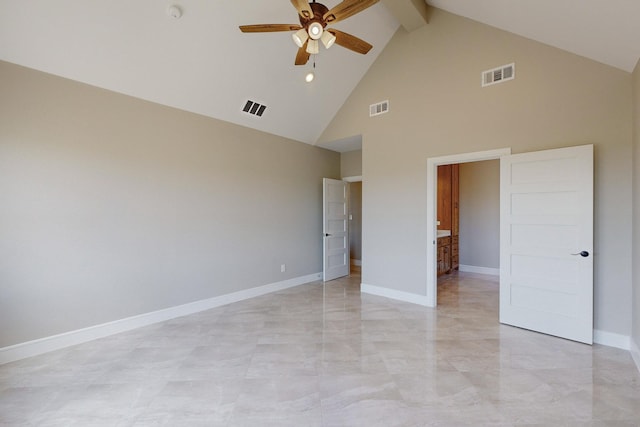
346 9
268 28
302 57
351 42
303 8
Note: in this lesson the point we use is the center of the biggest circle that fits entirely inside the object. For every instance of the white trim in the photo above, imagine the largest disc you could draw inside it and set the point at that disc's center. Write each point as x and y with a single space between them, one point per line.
611 339
635 353
479 270
356 262
79 336
432 194
394 294
357 178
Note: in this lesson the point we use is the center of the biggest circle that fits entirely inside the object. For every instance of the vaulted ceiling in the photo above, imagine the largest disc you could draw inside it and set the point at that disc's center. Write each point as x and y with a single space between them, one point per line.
202 63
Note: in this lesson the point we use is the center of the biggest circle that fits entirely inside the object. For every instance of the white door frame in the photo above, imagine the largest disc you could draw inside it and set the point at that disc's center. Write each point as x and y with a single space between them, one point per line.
432 196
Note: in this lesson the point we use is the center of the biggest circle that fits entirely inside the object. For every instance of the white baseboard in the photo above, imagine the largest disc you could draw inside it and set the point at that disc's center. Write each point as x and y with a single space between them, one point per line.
479 270
635 353
79 336
356 262
393 294
611 339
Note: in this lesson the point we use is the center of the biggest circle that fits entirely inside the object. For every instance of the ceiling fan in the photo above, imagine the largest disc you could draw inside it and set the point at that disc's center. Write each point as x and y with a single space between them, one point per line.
314 18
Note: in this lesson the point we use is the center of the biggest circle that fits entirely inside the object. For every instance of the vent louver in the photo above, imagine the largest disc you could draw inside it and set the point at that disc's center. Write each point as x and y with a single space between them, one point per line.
379 108
499 75
254 108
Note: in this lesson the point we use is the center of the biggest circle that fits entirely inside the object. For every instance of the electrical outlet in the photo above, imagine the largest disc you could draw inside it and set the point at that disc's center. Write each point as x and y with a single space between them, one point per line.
283 268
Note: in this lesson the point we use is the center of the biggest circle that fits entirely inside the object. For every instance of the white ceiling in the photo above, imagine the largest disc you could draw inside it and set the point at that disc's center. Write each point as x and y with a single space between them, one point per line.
606 31
200 62
204 64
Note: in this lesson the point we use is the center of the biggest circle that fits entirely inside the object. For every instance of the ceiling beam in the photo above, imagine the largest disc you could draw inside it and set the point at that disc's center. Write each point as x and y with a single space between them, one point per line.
412 14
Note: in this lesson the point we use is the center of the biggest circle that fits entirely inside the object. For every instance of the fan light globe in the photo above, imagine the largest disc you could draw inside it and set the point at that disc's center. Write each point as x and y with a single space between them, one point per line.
315 30
300 36
309 77
328 39
312 47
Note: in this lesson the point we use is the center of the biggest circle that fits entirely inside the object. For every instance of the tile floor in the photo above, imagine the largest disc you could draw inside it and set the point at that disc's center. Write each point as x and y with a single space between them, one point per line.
319 355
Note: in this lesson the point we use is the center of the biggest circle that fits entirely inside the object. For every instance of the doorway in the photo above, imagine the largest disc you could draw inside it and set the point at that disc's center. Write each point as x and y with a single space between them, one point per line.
355 224
355 221
468 241
432 186
546 238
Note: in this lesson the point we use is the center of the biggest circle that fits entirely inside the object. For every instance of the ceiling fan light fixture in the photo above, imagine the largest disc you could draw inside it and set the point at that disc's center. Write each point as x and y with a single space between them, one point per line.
312 47
313 18
328 39
309 77
315 30
300 36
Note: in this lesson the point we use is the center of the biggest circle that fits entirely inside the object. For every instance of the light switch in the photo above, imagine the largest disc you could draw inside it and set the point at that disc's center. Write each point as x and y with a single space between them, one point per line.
350 217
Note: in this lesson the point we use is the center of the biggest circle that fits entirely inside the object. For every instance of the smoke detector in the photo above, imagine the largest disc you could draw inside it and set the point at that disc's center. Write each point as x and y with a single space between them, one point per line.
174 12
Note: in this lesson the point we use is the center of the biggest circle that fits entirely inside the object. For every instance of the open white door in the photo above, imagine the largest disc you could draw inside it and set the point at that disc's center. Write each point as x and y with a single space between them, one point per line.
335 236
546 242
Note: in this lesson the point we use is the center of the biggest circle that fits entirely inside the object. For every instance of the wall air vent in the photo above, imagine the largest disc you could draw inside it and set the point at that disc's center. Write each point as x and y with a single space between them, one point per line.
379 108
499 75
254 108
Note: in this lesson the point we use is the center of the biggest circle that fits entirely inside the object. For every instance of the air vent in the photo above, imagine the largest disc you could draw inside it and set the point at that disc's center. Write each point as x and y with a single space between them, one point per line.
254 108
498 75
379 108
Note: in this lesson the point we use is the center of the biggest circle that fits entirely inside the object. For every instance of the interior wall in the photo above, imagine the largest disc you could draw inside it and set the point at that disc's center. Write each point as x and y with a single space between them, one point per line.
113 206
432 78
636 216
351 163
355 223
480 214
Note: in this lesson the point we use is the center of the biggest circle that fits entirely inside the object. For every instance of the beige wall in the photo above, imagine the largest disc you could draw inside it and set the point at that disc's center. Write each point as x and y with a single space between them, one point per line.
113 207
431 77
636 215
480 214
351 163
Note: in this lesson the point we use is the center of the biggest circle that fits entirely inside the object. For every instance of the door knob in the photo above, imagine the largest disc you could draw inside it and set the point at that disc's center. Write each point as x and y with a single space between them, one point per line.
583 254
327 234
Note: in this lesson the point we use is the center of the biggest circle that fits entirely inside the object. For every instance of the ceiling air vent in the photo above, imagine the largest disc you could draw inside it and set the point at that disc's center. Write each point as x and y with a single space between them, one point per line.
254 108
499 75
379 108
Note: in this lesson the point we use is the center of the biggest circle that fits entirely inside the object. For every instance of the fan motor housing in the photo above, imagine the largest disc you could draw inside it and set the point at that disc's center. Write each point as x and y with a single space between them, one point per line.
319 10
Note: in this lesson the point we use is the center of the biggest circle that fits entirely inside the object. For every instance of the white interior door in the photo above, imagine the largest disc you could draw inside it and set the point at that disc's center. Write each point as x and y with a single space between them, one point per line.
546 242
335 231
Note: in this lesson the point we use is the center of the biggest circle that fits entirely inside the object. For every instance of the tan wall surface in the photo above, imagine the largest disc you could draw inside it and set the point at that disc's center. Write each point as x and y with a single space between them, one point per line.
351 163
431 77
112 206
480 214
